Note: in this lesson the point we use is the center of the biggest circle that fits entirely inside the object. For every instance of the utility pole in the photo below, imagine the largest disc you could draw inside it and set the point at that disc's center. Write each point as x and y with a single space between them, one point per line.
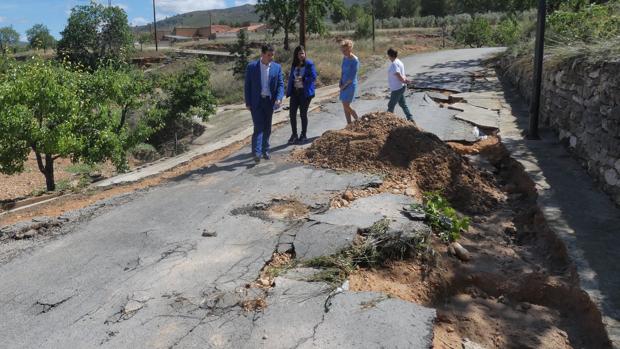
155 26
302 23
372 4
538 69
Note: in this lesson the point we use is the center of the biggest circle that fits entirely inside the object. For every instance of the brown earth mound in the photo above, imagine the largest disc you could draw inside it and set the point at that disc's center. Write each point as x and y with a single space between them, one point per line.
385 144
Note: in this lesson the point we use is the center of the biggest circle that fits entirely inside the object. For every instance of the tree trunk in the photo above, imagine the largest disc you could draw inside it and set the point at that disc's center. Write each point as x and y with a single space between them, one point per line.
123 118
286 47
47 169
49 173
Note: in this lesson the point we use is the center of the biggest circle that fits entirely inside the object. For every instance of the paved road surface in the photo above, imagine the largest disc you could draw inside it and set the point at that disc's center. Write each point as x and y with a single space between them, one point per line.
136 272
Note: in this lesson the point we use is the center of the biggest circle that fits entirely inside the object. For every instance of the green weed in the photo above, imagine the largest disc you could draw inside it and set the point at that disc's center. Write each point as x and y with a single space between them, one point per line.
442 217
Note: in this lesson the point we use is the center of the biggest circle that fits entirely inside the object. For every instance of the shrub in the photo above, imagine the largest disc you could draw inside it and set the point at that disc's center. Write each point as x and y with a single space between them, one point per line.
144 152
364 27
591 23
507 33
476 33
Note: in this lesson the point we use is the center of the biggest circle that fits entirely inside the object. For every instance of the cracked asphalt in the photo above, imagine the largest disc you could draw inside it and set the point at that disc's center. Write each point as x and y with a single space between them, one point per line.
138 273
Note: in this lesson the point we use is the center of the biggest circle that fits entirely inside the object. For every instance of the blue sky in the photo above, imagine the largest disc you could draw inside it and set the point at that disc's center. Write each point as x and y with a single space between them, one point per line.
23 14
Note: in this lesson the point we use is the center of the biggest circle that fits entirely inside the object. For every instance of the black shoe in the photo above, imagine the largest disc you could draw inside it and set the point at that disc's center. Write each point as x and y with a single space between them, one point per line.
292 140
302 140
256 158
266 156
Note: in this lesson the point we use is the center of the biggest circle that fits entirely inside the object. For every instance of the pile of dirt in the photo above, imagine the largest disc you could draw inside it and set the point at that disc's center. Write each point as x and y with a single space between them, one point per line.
385 144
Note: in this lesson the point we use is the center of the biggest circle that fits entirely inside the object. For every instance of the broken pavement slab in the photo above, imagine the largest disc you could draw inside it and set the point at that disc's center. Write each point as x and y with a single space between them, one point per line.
315 239
311 315
477 116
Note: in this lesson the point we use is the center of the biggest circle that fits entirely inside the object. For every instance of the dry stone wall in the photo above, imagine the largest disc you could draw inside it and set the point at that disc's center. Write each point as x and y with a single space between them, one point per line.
581 102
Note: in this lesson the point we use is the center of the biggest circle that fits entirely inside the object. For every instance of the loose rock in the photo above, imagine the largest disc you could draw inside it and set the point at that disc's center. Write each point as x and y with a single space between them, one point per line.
460 252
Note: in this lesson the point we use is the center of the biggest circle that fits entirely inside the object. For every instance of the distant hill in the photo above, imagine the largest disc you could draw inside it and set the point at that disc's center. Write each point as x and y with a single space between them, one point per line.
237 14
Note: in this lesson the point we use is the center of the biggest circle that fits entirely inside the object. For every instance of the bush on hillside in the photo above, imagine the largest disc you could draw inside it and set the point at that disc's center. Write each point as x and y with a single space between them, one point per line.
476 33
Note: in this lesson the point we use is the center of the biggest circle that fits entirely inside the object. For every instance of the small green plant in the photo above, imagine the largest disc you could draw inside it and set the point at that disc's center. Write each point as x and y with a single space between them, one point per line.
442 217
63 185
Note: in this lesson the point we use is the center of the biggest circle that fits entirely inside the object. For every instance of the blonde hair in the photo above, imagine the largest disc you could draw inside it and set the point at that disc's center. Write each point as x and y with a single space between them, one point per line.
346 43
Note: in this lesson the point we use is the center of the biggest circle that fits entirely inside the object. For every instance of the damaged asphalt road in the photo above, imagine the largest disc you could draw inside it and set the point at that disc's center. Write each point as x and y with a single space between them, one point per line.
140 273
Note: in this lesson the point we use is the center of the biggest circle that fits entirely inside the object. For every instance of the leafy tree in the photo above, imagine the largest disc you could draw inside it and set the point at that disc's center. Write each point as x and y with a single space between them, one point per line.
95 34
364 27
385 8
144 38
339 14
243 52
356 12
58 112
283 15
437 8
317 10
408 8
8 38
39 37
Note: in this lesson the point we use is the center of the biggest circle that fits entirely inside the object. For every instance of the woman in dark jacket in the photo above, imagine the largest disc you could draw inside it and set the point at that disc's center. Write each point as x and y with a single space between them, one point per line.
301 90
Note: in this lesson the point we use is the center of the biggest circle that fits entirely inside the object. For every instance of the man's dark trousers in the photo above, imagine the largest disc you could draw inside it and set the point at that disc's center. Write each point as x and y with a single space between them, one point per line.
262 117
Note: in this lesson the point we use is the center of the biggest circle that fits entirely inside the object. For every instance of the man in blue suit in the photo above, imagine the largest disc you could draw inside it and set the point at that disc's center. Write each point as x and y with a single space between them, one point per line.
264 90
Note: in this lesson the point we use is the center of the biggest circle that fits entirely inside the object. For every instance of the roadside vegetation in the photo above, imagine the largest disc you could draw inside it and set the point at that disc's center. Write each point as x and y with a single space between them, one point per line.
574 29
90 105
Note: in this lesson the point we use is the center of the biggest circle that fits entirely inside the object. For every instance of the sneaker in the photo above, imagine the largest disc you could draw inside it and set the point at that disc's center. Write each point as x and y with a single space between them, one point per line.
256 158
302 140
292 140
266 156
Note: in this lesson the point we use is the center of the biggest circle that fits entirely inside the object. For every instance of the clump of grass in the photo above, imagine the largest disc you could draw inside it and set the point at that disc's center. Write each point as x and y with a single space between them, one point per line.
63 185
378 245
444 219
82 168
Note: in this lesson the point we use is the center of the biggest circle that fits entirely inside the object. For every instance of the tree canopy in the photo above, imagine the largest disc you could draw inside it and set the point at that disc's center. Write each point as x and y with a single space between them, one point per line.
95 35
8 38
57 112
39 37
283 15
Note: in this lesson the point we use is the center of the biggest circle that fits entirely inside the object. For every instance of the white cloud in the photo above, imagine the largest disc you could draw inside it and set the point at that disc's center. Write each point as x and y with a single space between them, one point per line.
123 6
139 21
182 6
244 2
2 19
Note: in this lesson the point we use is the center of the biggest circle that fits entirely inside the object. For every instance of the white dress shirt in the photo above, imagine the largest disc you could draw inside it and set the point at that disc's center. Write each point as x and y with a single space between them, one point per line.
264 79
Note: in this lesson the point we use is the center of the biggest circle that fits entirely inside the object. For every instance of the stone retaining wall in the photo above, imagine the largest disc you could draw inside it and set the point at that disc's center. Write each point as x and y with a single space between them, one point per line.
581 102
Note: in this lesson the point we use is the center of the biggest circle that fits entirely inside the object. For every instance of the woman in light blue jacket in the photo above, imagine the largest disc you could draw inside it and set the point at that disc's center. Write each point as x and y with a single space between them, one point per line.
348 79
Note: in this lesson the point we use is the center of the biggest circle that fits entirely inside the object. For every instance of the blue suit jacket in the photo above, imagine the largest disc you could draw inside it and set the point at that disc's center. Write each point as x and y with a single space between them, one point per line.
309 79
253 84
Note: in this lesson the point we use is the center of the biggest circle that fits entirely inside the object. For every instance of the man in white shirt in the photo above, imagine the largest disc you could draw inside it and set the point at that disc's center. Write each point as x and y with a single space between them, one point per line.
397 80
